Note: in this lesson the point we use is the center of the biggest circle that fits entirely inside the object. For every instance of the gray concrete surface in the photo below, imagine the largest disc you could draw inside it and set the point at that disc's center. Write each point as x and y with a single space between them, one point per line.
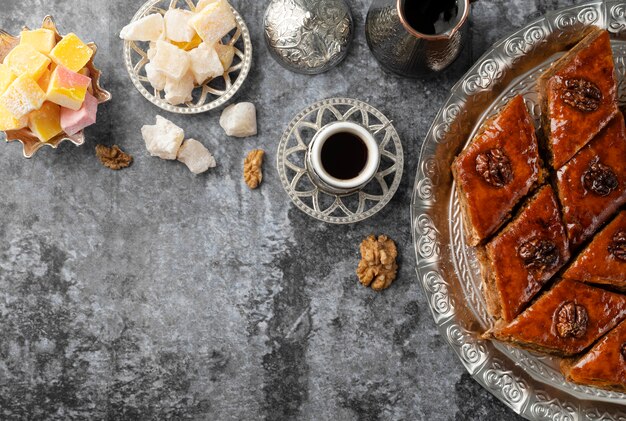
153 294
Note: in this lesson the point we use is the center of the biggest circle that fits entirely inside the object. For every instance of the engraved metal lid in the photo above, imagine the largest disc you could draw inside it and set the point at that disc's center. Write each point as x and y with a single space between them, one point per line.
308 36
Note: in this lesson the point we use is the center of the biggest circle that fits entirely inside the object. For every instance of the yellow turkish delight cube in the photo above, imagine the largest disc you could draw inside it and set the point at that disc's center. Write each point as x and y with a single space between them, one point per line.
188 46
25 60
45 123
71 52
6 77
8 122
44 80
42 40
22 97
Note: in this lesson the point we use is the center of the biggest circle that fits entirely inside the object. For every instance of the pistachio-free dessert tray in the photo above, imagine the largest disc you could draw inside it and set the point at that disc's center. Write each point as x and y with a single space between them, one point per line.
448 268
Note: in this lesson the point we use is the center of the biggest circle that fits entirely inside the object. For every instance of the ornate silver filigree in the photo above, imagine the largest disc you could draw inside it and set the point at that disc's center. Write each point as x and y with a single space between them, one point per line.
308 36
530 384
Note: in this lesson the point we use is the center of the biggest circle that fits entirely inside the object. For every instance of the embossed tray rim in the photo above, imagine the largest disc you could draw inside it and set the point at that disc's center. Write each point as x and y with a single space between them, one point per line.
497 367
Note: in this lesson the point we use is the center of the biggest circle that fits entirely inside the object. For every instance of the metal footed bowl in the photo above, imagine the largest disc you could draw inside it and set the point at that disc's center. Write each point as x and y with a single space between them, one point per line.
212 94
530 384
31 144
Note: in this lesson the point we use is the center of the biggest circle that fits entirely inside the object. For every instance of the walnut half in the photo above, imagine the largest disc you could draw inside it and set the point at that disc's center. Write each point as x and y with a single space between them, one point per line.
378 267
571 320
253 168
113 157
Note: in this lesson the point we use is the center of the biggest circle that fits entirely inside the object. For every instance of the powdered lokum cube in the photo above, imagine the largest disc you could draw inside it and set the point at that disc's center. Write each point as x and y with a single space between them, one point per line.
75 121
163 139
67 88
42 40
148 28
177 27
214 21
226 53
22 97
196 156
202 4
156 78
6 77
179 91
71 52
44 80
205 63
45 123
152 50
25 60
239 120
8 122
170 60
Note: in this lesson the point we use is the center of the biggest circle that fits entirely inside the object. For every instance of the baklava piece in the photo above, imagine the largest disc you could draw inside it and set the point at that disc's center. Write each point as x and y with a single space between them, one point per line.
592 186
578 96
498 168
565 321
604 365
604 260
524 256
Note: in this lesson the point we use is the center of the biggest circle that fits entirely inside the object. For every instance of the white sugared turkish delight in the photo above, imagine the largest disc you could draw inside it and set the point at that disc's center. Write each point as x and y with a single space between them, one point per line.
239 120
171 60
226 53
149 28
152 50
205 63
177 27
156 78
214 21
163 139
179 91
196 156
202 4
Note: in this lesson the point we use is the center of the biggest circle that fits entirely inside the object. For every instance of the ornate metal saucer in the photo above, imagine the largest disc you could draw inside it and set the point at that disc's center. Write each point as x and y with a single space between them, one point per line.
528 383
309 195
215 92
31 144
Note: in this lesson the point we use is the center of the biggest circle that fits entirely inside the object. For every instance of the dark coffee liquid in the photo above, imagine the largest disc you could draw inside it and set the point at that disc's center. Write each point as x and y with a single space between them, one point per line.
344 155
431 17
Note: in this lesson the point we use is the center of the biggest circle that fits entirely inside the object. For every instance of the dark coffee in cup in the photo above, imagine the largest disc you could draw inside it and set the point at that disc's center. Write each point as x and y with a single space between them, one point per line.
344 155
431 17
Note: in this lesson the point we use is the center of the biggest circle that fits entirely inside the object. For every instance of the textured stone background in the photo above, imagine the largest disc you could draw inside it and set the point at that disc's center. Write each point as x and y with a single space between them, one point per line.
153 294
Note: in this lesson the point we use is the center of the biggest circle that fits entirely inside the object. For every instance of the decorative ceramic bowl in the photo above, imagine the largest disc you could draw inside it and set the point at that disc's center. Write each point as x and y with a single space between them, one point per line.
30 142
212 94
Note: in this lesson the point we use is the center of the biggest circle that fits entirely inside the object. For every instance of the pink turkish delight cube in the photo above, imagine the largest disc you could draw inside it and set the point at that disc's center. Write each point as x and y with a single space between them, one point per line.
74 121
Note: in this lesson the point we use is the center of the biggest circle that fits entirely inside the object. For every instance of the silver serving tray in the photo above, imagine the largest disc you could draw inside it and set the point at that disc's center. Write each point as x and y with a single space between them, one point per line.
448 269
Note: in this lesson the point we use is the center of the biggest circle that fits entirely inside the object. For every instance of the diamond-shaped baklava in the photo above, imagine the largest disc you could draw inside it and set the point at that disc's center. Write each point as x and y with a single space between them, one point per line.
604 260
592 186
604 365
524 256
498 168
564 321
578 96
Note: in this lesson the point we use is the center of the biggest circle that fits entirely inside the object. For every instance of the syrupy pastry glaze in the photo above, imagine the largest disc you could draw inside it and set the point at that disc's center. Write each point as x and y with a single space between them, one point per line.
527 253
604 365
537 327
588 66
586 208
599 263
509 140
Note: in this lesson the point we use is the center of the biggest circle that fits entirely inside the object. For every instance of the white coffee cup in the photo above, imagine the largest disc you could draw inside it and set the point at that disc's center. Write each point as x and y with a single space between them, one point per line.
333 184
